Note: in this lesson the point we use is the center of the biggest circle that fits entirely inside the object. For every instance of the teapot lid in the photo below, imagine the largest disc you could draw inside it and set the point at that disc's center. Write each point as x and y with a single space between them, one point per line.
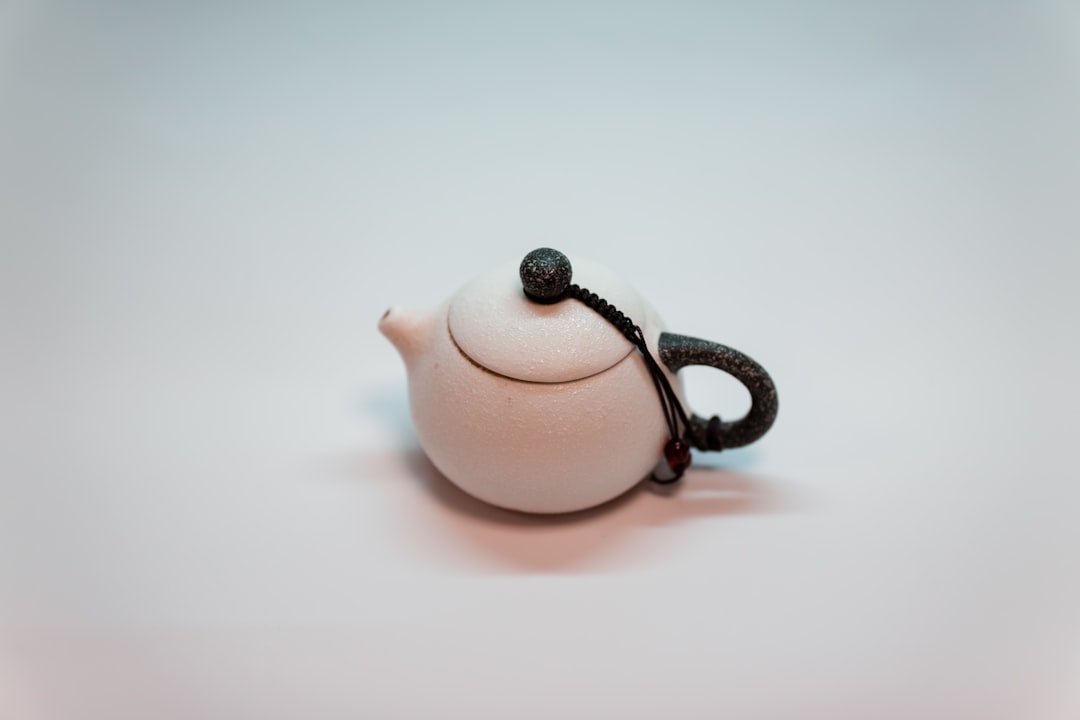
500 329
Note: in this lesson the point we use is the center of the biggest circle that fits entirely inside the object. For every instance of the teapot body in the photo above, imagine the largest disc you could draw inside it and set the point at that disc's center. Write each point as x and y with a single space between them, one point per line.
534 446
535 393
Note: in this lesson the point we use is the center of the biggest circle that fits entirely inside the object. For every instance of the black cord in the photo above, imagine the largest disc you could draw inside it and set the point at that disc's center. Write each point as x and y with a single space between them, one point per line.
677 452
545 278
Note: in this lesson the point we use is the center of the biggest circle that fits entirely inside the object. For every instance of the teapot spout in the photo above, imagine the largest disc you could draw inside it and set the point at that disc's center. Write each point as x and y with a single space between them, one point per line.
408 330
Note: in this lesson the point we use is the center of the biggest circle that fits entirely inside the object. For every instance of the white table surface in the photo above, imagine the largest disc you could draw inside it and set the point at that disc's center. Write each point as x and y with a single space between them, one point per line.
212 502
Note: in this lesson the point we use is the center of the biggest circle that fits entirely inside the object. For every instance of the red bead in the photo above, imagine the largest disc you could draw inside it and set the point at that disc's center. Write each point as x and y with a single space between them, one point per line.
677 454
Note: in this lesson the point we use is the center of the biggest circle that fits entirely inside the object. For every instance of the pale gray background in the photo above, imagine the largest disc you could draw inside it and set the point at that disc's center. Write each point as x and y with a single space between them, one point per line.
211 501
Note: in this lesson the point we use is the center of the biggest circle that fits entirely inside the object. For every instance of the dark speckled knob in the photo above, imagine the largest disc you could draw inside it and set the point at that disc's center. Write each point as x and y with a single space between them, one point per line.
545 275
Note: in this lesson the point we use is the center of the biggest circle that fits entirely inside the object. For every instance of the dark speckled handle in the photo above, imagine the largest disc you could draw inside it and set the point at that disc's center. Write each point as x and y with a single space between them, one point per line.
679 351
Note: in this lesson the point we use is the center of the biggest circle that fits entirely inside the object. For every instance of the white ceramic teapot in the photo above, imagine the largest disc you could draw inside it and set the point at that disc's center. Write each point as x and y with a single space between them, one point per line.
531 393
